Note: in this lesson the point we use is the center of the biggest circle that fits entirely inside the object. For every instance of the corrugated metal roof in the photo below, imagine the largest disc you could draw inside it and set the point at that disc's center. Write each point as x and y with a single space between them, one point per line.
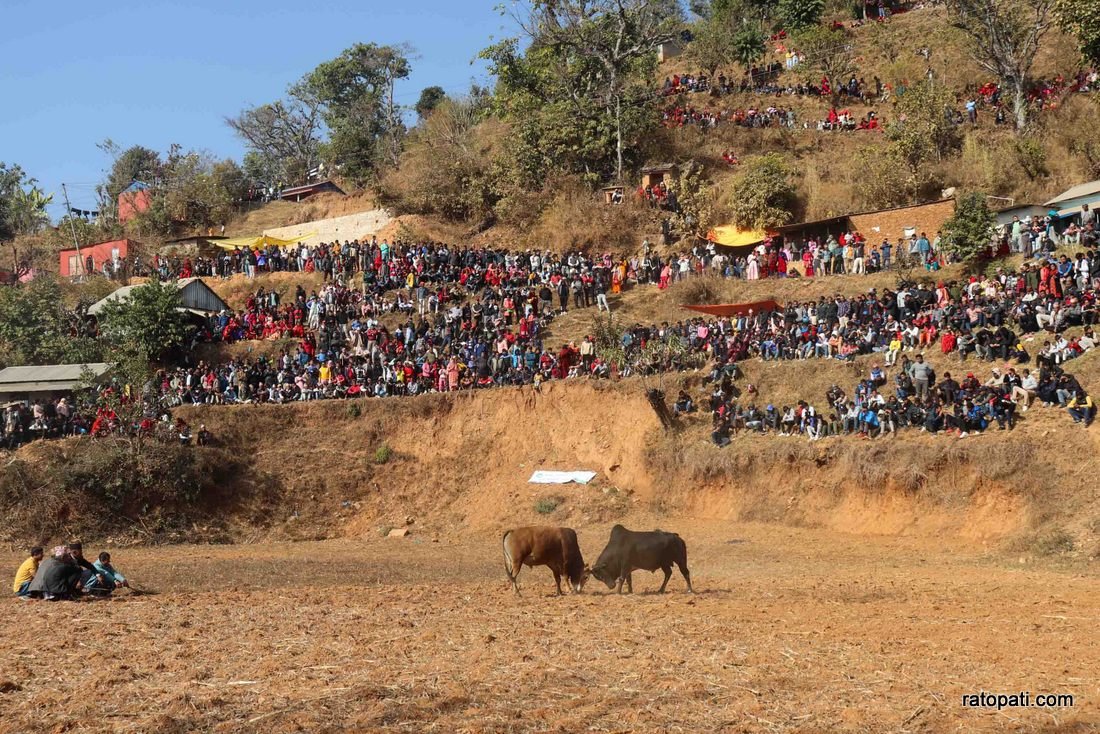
197 295
1085 189
49 374
308 188
120 295
27 387
194 293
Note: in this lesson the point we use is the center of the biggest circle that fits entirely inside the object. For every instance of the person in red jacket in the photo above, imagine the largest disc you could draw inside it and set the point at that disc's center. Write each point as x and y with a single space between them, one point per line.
948 342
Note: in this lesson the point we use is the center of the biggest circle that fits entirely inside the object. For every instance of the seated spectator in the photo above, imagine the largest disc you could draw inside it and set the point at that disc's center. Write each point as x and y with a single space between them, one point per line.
683 404
89 573
107 578
183 430
57 578
1081 408
26 572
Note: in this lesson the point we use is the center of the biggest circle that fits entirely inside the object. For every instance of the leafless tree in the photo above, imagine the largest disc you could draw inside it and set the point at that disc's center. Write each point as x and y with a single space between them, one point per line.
1004 37
284 133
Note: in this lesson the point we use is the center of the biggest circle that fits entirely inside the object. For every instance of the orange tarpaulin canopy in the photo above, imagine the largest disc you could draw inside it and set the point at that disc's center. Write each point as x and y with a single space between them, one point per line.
734 309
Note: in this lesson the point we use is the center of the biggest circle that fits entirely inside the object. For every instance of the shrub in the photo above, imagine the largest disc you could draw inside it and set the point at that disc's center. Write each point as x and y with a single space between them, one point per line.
112 486
968 232
923 130
354 409
884 181
763 195
1032 158
1054 543
546 505
700 291
798 14
383 454
574 218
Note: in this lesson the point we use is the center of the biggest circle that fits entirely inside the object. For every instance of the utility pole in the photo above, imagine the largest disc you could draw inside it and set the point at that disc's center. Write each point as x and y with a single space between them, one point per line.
72 228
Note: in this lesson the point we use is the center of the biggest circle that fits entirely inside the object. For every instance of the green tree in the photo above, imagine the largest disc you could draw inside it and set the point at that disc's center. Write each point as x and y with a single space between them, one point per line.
556 123
924 129
10 179
194 191
698 209
356 94
969 232
35 328
1004 39
749 11
795 15
149 322
1082 19
609 41
884 180
763 195
749 45
712 44
22 203
430 98
447 165
1032 157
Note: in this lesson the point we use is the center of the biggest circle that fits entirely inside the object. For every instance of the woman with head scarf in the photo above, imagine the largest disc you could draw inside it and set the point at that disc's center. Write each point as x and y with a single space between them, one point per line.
58 577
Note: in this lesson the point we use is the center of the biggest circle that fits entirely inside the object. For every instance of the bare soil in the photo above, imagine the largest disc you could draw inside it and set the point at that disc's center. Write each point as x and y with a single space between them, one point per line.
791 630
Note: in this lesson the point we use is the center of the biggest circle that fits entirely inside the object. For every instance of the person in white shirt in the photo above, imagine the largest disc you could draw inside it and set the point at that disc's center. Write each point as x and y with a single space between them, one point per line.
1026 392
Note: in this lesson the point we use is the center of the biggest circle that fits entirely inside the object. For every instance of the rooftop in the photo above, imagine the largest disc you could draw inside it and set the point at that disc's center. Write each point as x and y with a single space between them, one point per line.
1085 189
45 378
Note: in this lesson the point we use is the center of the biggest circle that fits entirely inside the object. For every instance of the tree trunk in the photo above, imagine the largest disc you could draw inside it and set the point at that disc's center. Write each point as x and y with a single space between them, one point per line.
1019 104
619 137
395 153
656 400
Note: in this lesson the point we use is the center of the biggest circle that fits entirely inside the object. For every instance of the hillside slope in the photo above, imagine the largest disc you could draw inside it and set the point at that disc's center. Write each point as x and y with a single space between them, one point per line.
462 463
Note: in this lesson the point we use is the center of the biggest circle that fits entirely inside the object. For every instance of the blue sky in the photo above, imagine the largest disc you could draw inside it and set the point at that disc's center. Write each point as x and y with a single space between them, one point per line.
155 72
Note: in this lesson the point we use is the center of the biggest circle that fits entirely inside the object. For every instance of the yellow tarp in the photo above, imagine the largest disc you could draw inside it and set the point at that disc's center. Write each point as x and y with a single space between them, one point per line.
730 236
259 242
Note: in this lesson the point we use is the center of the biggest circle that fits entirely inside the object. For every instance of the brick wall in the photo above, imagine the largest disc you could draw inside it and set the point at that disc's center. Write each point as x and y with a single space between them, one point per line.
893 222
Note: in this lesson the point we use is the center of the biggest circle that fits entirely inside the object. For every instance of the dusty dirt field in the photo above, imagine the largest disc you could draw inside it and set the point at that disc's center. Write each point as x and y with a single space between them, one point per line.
791 630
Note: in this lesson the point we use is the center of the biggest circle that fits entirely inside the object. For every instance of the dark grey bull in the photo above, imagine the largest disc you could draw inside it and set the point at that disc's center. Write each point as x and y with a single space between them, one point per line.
628 551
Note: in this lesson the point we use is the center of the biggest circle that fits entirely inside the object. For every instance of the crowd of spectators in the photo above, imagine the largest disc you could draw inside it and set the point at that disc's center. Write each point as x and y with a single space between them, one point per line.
769 117
769 81
986 319
92 414
431 318
915 400
1043 95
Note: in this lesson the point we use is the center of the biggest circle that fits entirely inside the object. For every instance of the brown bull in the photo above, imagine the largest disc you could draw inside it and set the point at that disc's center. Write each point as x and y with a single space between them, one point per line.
556 548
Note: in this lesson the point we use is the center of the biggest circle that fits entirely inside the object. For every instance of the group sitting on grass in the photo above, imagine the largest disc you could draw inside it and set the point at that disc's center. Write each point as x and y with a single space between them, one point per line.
767 117
66 575
916 400
767 80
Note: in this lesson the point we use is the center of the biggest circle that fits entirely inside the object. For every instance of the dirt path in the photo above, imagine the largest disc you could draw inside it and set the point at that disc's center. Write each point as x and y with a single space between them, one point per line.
792 630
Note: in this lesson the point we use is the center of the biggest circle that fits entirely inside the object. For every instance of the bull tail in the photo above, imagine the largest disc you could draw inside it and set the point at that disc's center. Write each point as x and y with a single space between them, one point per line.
509 564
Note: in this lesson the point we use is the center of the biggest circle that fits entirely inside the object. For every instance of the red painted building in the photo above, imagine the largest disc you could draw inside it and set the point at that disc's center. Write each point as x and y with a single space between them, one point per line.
92 257
133 201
